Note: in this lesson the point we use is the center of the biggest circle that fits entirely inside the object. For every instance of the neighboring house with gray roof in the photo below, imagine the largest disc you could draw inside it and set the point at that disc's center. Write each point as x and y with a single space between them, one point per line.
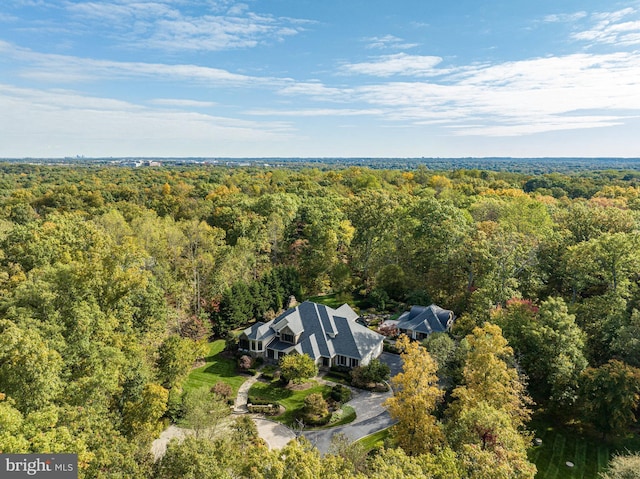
420 321
332 337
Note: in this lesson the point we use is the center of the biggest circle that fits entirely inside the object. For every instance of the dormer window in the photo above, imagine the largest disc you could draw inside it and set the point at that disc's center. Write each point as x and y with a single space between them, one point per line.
287 338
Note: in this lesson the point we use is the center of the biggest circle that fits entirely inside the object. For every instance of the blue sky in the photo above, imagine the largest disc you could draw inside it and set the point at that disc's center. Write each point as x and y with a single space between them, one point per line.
319 78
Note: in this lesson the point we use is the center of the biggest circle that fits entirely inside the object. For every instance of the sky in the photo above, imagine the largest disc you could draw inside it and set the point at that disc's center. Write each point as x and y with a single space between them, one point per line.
319 78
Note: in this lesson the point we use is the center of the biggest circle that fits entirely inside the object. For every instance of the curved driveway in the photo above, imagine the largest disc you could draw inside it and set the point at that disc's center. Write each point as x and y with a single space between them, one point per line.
371 417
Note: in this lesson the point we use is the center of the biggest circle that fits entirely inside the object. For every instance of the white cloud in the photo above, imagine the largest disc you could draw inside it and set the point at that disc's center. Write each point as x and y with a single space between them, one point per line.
608 28
396 64
565 17
159 25
317 91
60 123
317 112
182 103
66 68
388 42
507 99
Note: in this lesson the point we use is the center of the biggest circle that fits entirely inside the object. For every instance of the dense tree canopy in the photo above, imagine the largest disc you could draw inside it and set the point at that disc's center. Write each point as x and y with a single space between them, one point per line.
112 279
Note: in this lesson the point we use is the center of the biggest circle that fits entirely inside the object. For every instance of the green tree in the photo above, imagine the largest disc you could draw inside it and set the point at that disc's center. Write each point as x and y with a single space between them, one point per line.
488 377
29 370
603 263
353 453
297 368
396 464
550 346
196 458
487 417
442 349
142 418
203 411
626 344
175 359
610 396
315 408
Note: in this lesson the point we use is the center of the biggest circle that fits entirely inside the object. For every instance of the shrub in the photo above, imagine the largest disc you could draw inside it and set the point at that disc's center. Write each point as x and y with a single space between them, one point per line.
390 348
222 389
259 401
339 369
340 393
389 330
316 410
268 409
368 376
268 372
245 362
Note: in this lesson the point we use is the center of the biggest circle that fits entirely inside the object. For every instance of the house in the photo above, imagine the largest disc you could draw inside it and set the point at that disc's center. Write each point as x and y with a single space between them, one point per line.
420 321
332 337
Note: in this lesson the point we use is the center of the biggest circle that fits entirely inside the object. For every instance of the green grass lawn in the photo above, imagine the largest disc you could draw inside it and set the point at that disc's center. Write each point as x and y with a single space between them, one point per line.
336 300
293 401
588 454
374 440
216 369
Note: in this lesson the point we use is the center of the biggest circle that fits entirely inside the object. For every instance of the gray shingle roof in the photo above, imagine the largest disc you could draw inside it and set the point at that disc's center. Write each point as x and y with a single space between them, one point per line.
426 319
259 331
323 331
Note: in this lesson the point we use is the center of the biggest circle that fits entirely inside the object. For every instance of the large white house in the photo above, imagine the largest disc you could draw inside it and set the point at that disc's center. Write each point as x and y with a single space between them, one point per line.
332 337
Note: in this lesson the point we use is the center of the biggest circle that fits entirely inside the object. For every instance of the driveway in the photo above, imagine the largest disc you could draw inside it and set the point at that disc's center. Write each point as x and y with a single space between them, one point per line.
371 417
276 435
393 361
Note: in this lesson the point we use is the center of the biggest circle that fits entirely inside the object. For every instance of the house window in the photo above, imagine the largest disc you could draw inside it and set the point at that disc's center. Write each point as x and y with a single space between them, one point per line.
288 338
243 344
259 348
353 362
341 360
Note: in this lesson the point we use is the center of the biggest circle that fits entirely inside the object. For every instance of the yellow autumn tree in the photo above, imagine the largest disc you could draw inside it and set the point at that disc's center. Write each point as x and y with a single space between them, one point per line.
415 396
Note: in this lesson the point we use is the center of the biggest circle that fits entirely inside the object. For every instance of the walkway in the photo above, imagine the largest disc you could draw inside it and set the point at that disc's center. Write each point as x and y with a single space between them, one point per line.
240 405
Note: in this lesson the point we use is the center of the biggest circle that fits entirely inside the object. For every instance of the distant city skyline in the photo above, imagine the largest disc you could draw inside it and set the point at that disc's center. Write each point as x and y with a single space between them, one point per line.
350 78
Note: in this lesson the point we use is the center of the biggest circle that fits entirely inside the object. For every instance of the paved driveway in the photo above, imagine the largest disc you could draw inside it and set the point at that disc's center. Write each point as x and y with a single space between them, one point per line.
371 417
393 361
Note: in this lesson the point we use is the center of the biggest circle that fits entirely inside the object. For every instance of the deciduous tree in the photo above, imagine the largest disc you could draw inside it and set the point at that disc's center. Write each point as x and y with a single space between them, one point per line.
415 397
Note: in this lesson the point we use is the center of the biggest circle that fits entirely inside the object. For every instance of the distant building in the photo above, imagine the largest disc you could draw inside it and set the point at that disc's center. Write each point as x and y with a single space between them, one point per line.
420 321
332 337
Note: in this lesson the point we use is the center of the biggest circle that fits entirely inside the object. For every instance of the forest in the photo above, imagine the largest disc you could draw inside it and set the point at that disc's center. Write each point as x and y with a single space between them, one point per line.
114 280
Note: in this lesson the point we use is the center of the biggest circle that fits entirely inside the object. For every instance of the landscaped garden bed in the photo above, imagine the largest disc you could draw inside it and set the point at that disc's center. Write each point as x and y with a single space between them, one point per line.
291 397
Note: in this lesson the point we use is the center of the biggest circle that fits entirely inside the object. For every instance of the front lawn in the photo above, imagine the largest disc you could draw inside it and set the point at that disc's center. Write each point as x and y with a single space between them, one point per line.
216 369
375 440
292 400
559 445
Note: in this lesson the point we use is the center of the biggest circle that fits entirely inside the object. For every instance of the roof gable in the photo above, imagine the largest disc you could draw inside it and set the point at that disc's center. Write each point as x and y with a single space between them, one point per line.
324 331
